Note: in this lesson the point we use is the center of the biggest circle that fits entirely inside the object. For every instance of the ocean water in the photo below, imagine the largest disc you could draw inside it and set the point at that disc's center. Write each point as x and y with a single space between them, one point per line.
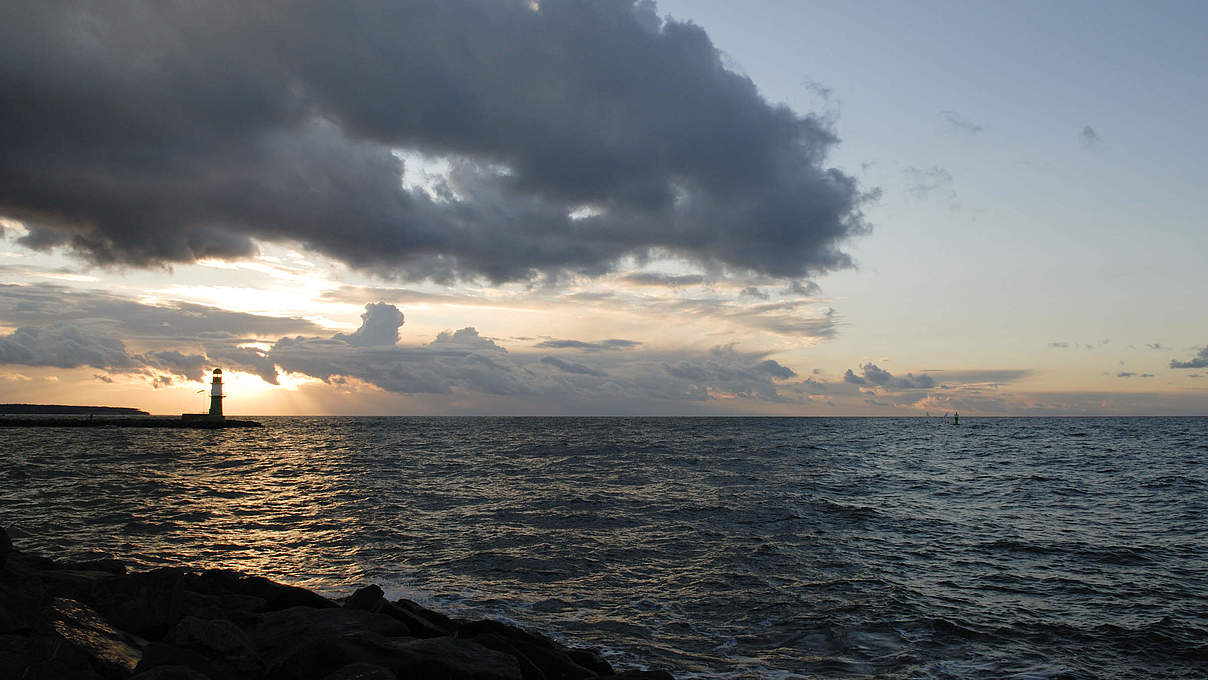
710 547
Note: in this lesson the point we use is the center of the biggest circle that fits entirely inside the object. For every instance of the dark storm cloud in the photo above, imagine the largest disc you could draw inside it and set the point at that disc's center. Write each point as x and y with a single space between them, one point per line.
1200 360
610 344
753 292
143 133
1090 138
959 123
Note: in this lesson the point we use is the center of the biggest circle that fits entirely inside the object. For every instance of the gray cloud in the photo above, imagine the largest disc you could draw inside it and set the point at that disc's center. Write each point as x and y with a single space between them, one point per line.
571 367
610 344
959 123
668 280
1200 360
46 304
753 292
64 346
212 126
875 375
1090 138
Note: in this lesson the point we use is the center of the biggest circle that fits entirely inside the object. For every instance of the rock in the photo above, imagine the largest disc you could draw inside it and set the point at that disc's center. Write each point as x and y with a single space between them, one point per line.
642 675
282 634
469 629
369 598
435 619
419 626
444 658
217 637
159 655
15 656
70 628
495 641
170 673
591 659
361 671
6 546
278 596
107 565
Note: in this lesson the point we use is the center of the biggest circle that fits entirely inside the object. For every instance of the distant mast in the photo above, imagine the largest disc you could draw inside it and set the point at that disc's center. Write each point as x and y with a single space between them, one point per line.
216 394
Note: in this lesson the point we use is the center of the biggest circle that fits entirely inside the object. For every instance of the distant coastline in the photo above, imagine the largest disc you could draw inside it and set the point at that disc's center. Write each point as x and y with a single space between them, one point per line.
61 410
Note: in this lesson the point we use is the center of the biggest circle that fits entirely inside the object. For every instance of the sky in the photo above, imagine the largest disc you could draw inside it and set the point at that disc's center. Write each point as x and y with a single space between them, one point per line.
605 208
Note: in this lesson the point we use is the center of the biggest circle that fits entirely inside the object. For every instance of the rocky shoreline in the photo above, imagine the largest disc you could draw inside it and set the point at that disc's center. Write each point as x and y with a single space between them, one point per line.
96 621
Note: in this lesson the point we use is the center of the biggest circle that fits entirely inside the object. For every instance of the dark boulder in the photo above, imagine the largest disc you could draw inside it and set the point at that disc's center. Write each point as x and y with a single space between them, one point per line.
369 598
361 671
69 629
642 675
170 673
591 659
280 635
6 546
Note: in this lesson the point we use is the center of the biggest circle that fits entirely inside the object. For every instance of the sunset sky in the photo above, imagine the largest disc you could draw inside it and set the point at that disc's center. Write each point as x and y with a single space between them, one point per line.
606 208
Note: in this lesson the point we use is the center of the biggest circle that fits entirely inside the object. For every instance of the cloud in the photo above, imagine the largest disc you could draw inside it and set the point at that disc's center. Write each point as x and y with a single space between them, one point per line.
753 292
571 367
1059 345
44 304
923 182
379 326
610 344
64 346
1125 374
1200 360
959 123
1090 138
667 280
803 288
874 375
575 136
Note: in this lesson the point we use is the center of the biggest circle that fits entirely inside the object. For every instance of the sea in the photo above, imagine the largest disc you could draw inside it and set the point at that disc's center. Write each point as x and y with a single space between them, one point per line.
709 547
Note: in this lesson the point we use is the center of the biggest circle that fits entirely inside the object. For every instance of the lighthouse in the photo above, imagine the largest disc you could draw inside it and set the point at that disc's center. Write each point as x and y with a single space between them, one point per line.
216 394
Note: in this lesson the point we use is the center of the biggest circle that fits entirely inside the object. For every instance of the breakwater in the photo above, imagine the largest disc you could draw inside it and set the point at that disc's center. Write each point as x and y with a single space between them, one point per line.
94 620
124 421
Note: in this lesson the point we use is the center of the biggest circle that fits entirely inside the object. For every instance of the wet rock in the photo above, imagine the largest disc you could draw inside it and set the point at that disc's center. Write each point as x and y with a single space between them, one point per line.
369 598
73 630
15 655
589 658
432 618
642 675
361 671
277 596
419 626
106 564
469 629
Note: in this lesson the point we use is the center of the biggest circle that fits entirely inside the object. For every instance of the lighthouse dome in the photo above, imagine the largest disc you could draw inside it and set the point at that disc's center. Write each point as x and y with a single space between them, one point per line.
217 371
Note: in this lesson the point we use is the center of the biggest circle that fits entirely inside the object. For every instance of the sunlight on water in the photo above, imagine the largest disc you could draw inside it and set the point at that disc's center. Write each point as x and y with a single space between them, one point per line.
718 547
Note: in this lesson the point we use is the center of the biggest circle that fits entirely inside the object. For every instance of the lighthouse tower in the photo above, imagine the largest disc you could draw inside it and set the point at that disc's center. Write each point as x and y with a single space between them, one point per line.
216 394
